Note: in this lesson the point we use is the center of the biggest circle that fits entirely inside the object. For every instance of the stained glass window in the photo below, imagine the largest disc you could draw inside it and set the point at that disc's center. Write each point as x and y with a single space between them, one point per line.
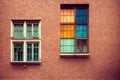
74 29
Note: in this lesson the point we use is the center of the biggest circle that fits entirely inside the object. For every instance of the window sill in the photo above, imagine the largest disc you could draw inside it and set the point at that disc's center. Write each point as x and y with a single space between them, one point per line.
27 62
74 55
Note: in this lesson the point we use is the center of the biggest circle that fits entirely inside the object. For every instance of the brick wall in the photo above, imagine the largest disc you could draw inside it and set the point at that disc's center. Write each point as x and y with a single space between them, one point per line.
104 41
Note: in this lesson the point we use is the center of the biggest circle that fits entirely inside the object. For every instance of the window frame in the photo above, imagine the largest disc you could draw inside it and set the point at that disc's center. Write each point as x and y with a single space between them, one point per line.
75 7
25 40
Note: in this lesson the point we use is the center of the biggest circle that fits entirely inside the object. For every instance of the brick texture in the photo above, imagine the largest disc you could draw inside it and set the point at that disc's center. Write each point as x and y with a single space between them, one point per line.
104 41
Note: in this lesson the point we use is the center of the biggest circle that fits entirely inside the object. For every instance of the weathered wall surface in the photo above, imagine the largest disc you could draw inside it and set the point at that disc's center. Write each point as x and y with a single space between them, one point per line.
104 41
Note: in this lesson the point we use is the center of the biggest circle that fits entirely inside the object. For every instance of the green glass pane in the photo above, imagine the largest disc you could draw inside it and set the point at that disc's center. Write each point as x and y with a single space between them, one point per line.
35 31
29 32
67 41
18 30
67 48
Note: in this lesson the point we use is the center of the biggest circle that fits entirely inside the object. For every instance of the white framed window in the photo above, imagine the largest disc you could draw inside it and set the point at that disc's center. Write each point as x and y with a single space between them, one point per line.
26 41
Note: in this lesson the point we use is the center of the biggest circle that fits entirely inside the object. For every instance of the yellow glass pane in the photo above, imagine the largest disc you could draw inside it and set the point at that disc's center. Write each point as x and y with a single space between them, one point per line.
65 19
61 19
72 19
68 19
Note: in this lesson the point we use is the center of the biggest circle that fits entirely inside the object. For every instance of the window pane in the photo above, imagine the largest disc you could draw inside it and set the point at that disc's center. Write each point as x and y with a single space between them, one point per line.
81 45
81 15
29 52
67 48
67 15
35 30
81 31
18 52
29 30
67 41
81 11
18 30
67 45
67 31
36 52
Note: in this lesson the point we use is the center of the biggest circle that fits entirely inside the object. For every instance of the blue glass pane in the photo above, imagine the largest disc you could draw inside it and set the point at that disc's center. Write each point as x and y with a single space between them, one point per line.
81 19
81 11
81 15
81 31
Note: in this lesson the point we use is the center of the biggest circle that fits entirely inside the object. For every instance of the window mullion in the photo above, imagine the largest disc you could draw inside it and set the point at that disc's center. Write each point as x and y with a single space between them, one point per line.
32 30
24 29
32 52
24 51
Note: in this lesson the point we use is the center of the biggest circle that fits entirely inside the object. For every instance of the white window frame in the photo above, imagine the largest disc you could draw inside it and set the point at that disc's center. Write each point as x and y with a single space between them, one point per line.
25 41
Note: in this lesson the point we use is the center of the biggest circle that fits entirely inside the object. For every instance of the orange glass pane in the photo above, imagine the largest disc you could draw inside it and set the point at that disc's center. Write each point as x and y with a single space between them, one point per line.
67 34
62 11
65 11
61 34
70 27
67 27
72 12
68 11
70 34
61 27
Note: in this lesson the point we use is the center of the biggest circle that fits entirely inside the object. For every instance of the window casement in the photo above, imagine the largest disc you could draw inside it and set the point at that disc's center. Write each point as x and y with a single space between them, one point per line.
25 41
74 30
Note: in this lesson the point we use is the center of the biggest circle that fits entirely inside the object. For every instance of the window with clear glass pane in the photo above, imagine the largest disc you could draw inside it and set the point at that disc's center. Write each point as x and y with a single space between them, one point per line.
25 41
32 52
36 51
18 52
29 52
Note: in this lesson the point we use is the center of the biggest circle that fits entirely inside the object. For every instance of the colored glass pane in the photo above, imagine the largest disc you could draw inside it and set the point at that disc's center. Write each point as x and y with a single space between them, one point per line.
67 45
81 31
67 31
